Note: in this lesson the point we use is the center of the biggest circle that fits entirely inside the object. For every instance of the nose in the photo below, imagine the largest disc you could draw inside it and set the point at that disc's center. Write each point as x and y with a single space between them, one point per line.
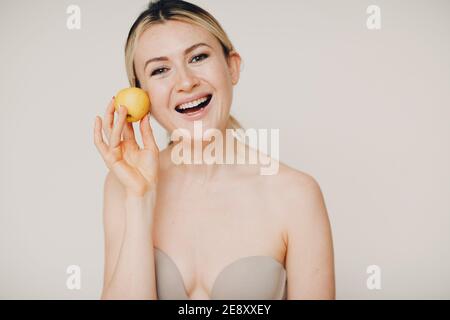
186 80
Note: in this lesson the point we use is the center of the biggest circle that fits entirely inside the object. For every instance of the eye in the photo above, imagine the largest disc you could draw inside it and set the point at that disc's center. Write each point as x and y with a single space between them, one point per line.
196 58
200 57
158 71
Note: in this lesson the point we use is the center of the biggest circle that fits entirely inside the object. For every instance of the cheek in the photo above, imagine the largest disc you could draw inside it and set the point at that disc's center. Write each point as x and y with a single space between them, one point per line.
221 79
221 76
159 96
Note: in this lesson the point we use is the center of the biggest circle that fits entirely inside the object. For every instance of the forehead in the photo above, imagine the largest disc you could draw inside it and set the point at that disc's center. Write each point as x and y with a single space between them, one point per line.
171 37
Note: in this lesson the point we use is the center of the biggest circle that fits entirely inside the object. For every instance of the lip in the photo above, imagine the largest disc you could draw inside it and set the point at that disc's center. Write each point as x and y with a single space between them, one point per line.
198 114
193 98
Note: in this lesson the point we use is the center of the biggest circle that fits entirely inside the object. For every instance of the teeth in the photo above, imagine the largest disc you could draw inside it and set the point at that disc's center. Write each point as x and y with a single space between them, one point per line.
192 103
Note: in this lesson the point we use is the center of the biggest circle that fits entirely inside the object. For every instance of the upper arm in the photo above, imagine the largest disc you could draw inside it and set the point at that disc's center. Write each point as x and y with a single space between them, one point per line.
113 223
310 257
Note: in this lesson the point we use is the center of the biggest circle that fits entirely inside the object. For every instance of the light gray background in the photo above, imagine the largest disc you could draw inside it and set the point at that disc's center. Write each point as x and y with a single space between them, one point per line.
365 112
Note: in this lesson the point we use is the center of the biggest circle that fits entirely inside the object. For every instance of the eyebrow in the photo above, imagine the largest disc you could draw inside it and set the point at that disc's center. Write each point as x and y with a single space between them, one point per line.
191 48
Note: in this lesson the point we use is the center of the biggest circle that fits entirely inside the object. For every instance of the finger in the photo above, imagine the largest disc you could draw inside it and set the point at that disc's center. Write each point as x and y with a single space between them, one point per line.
109 118
147 134
128 132
102 147
118 128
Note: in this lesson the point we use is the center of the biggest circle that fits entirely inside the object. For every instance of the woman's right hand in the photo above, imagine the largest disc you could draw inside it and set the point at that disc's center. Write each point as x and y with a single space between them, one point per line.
135 167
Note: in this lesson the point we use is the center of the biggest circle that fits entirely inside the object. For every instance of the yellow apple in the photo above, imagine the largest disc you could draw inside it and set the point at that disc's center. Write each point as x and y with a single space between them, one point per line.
135 100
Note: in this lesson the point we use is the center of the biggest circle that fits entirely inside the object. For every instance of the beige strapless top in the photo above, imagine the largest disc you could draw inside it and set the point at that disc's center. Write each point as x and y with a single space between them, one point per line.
248 278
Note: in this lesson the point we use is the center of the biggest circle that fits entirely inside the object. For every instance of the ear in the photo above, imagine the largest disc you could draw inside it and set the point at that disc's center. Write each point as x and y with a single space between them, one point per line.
234 66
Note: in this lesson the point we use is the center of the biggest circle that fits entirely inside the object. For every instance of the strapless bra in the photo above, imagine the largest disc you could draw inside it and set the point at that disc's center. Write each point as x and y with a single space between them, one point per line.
248 278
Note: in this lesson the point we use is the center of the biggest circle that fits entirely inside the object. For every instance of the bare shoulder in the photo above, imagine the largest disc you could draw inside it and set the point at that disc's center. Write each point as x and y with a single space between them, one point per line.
307 230
292 182
297 194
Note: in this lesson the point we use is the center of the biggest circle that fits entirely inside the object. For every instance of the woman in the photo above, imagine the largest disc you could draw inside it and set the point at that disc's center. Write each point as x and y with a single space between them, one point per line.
201 231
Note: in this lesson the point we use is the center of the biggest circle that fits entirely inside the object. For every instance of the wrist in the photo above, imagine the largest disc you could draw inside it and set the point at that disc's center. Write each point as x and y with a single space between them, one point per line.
140 194
147 199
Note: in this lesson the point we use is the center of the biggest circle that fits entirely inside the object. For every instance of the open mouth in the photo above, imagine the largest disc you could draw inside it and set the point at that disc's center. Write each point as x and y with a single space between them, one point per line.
195 105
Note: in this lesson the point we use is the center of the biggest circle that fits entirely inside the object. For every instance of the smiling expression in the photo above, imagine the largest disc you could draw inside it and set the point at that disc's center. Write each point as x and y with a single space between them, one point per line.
182 65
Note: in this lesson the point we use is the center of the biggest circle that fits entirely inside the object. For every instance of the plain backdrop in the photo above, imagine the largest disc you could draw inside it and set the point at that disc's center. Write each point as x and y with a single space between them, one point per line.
365 112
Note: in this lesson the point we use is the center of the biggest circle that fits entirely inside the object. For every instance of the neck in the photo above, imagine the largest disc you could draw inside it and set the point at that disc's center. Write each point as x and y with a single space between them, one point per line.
202 161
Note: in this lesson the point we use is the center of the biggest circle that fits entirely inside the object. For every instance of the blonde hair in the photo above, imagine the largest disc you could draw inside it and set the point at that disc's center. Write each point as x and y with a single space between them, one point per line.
164 10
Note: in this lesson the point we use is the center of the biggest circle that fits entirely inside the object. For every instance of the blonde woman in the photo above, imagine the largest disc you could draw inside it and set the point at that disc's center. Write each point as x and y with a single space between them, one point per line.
201 231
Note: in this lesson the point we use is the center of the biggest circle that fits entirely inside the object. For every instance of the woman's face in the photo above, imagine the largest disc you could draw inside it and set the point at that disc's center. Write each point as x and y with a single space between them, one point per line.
178 62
